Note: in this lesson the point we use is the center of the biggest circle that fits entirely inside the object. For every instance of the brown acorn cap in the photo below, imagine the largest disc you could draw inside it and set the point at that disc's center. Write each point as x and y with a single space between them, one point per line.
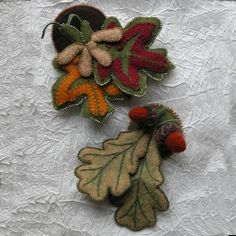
94 16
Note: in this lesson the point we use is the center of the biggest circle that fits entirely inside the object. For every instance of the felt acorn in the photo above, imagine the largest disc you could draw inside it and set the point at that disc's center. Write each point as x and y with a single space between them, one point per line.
163 122
139 114
175 142
126 169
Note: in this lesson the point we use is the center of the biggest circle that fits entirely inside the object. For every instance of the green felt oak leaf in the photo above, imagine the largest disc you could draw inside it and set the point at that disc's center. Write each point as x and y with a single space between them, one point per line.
140 202
133 61
109 168
86 30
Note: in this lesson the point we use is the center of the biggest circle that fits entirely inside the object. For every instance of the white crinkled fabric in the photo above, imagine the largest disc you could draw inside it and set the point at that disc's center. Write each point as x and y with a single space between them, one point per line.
38 145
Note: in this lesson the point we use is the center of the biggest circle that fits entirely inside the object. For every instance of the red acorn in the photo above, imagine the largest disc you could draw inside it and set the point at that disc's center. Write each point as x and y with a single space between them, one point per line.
139 114
175 142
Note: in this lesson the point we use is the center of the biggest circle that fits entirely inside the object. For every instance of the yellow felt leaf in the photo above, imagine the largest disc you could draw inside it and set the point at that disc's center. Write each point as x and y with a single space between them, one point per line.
144 197
109 168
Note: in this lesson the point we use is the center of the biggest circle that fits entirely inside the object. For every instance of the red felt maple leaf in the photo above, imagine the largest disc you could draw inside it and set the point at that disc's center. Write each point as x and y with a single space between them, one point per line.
133 61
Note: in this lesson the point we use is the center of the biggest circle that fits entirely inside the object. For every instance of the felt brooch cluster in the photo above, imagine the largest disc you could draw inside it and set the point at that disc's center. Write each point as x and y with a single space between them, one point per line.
127 169
99 61
110 63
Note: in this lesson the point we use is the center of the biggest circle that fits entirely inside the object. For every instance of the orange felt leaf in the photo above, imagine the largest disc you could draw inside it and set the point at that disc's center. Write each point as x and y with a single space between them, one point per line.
96 99
112 90
97 103
61 94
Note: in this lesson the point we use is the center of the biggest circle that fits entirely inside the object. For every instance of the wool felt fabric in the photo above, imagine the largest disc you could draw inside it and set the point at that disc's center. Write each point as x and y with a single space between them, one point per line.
127 169
133 60
39 144
110 56
70 90
93 15
76 85
89 48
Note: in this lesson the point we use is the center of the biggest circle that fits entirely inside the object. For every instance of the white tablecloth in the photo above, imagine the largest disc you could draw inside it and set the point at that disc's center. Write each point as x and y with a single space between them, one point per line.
38 145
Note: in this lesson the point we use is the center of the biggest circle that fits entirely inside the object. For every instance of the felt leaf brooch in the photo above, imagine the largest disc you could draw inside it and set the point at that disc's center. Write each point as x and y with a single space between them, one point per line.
104 63
127 169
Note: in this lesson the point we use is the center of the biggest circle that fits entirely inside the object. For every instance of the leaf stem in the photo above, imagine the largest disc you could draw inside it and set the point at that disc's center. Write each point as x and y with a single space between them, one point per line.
71 17
51 23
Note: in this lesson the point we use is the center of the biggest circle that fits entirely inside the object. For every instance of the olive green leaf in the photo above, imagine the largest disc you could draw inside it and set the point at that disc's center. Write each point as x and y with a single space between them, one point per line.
109 168
86 30
144 197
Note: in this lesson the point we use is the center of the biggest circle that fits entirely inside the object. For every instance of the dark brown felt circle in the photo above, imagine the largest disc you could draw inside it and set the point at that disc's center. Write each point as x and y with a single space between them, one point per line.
94 16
